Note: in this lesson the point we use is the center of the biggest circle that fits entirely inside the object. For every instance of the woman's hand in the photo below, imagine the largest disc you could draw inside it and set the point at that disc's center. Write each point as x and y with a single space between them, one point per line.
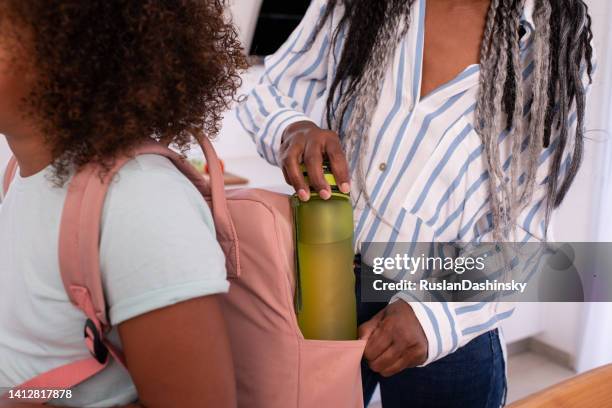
395 339
305 142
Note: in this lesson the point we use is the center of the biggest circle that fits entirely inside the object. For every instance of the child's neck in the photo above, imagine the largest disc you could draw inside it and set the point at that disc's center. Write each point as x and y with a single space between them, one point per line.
30 150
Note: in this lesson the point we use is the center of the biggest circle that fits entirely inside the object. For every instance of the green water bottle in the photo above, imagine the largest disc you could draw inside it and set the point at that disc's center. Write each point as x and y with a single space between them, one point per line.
325 295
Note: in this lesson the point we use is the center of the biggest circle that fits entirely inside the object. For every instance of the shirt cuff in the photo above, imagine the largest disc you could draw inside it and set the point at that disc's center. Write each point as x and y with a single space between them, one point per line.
438 324
268 137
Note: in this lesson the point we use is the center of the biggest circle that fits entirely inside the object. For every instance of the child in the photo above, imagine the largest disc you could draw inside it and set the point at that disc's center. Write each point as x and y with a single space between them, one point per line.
82 82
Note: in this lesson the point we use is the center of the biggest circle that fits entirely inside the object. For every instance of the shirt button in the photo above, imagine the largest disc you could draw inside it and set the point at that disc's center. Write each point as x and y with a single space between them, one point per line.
382 166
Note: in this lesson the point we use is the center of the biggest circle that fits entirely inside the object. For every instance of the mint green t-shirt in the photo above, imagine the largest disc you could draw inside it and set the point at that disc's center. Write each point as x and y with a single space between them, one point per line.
157 248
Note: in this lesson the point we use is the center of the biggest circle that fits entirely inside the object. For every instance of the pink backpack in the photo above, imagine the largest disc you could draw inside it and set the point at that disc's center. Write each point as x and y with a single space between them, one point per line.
274 365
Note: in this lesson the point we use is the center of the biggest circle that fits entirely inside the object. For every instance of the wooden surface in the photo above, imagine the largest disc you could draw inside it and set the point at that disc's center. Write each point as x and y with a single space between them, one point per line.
231 179
592 389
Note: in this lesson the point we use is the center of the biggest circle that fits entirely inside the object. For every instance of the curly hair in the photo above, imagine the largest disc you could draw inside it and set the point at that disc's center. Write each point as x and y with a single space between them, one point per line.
112 73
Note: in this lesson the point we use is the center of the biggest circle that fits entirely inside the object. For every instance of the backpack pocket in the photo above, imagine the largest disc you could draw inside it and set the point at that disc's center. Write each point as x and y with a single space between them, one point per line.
330 373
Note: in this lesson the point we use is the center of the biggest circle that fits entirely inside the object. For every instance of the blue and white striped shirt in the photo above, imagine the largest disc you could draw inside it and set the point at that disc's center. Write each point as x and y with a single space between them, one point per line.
425 168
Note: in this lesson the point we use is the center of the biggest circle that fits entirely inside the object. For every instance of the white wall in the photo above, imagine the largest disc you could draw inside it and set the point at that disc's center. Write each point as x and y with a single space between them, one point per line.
526 321
244 15
596 318
594 345
561 326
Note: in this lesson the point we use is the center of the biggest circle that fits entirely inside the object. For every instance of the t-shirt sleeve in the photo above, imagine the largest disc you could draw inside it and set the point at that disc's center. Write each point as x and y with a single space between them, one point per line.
158 245
2 171
3 165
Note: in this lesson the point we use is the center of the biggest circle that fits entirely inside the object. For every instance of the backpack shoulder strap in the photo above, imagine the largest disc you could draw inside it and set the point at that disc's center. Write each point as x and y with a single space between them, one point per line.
79 256
9 175
82 291
78 252
215 190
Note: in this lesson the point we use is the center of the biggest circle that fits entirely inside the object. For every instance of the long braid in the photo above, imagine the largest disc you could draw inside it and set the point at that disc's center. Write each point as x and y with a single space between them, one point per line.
487 65
539 89
561 50
557 85
560 122
515 104
360 74
555 41
571 82
491 125
367 91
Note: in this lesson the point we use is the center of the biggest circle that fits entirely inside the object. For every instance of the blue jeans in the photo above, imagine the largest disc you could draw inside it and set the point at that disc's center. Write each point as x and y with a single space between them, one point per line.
471 377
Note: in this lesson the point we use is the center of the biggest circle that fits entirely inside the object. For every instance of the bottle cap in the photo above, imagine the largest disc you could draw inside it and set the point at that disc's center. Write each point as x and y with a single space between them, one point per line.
327 173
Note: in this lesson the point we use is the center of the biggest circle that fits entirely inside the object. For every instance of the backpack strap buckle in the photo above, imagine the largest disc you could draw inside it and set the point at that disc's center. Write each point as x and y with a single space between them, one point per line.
94 341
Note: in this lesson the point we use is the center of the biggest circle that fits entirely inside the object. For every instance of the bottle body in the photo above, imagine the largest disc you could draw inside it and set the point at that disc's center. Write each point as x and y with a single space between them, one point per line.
326 304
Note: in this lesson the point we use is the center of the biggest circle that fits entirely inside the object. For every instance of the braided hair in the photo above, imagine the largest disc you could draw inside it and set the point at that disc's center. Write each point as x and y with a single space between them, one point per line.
561 49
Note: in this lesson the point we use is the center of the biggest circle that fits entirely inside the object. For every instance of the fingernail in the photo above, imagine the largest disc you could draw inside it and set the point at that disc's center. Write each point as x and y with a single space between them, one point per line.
345 188
324 194
303 195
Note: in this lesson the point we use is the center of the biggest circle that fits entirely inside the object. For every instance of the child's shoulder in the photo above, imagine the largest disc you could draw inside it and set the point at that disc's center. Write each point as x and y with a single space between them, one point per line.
158 243
150 166
152 172
151 186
